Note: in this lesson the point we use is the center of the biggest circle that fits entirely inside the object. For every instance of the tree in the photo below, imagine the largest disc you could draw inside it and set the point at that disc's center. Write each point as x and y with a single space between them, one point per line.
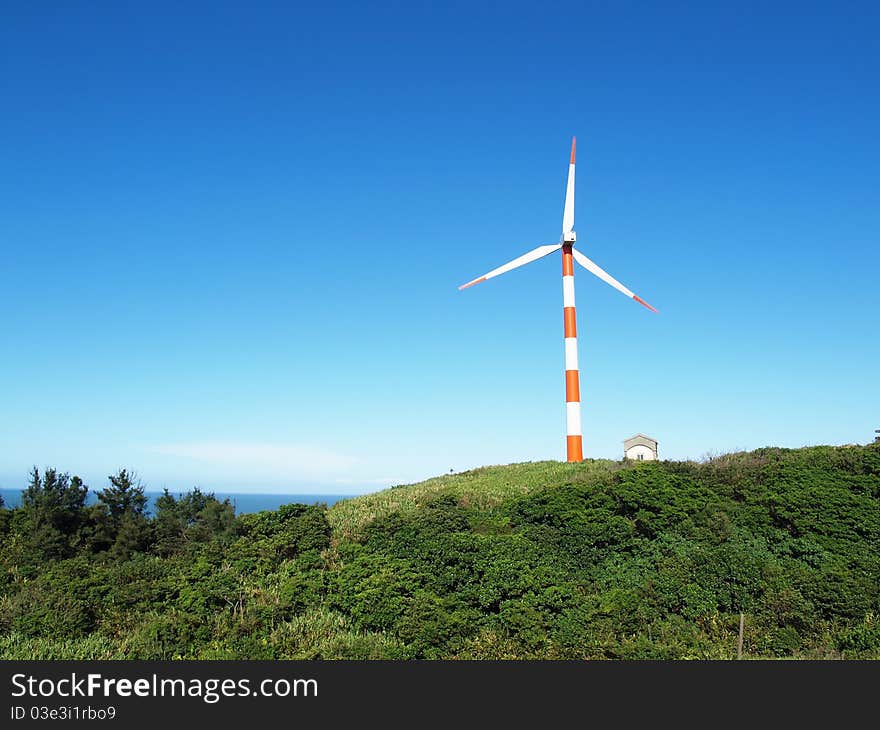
125 518
124 496
4 517
194 517
53 514
168 525
215 521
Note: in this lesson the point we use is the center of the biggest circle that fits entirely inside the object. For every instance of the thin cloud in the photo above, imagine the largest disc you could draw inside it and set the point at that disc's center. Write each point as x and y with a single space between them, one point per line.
377 481
261 460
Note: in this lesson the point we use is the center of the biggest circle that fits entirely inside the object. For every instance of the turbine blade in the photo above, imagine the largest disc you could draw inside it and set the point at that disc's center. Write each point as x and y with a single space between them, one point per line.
606 277
568 212
526 258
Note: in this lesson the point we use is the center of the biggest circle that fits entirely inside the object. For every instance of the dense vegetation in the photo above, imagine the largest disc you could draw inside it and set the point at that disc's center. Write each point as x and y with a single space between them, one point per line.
542 560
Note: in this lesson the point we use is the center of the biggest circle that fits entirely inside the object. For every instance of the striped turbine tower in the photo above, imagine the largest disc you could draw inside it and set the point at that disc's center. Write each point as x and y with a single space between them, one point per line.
574 445
574 440
573 437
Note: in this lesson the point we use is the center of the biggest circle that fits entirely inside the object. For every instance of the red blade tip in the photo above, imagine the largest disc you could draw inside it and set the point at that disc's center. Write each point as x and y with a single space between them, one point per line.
573 143
471 283
644 303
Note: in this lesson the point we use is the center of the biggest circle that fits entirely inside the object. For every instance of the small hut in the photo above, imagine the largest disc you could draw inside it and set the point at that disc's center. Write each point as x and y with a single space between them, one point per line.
640 448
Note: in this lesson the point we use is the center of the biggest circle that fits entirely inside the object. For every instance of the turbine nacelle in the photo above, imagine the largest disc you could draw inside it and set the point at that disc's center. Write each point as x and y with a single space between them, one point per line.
569 237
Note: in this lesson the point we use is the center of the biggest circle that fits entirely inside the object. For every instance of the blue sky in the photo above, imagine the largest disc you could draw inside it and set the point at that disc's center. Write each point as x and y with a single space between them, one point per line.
232 235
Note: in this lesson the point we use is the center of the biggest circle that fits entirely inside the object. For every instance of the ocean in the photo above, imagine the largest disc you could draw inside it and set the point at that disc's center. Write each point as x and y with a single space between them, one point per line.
242 502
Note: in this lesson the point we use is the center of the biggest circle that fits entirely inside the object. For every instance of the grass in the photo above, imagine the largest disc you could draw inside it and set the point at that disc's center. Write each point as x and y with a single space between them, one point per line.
480 489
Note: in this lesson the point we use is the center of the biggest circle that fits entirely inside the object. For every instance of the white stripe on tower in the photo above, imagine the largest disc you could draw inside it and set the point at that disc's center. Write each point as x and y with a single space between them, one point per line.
574 438
567 291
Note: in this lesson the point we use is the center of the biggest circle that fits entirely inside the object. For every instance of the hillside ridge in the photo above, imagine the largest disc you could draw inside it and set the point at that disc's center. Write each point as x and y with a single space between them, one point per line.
536 560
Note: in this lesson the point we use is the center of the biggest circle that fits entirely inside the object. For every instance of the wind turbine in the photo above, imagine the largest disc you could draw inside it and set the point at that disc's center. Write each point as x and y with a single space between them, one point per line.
574 437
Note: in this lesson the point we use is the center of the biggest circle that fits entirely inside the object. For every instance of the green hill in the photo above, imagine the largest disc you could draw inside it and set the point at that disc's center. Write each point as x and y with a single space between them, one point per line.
540 560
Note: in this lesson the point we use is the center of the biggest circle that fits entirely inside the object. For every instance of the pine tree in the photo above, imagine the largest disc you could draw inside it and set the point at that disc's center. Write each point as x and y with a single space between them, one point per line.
124 496
53 513
194 517
126 507
4 518
169 525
